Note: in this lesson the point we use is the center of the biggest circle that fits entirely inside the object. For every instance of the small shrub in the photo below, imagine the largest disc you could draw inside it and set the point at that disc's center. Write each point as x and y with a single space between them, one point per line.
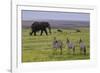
77 30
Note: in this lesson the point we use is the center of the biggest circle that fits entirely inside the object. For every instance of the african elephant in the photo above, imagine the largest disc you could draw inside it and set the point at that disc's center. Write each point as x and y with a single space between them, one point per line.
40 26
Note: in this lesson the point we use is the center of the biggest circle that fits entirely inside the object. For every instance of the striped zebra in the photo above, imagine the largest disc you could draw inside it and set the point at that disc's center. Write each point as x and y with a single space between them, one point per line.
70 46
82 47
57 44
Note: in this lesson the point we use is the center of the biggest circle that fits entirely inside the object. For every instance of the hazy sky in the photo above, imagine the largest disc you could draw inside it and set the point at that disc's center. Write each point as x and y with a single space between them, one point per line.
44 15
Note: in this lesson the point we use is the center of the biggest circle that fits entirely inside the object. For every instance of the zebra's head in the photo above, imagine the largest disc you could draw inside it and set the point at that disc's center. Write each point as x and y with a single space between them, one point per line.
67 40
80 40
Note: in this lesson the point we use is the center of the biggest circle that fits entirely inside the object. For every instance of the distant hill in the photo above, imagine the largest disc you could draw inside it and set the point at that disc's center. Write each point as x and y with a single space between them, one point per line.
59 23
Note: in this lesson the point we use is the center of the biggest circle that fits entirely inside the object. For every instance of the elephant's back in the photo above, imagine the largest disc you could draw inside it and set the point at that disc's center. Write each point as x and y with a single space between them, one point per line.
35 26
44 24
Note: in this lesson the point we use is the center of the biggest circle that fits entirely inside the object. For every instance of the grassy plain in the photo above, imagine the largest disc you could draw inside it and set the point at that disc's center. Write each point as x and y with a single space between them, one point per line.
39 48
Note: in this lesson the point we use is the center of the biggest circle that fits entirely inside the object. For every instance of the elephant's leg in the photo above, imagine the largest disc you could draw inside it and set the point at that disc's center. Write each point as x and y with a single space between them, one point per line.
35 33
41 32
46 32
31 33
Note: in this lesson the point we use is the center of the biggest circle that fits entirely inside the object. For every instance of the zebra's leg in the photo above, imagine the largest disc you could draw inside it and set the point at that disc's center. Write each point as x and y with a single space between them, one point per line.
61 50
84 51
69 51
55 51
80 50
74 50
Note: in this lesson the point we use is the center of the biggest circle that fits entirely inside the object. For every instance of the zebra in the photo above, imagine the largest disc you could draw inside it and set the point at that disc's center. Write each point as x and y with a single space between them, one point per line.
82 47
57 44
70 45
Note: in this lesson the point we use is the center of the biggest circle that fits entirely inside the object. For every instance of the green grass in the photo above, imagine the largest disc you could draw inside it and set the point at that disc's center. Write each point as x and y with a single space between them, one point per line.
39 48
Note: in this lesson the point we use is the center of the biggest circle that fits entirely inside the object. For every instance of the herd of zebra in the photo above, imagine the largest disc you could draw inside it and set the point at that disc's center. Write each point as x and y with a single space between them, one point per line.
58 44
